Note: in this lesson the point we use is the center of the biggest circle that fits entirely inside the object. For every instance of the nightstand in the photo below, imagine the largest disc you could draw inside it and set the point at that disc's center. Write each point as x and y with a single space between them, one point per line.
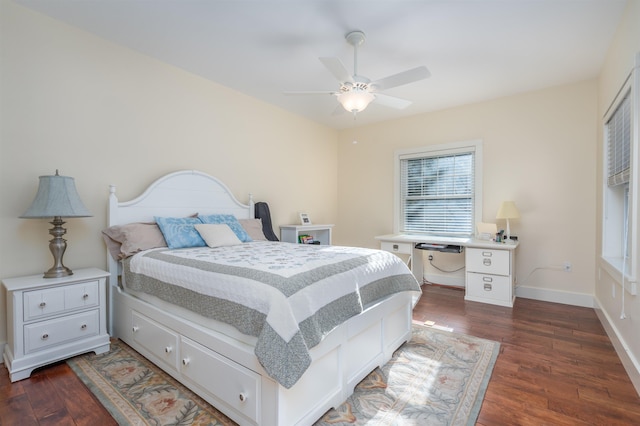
320 233
50 319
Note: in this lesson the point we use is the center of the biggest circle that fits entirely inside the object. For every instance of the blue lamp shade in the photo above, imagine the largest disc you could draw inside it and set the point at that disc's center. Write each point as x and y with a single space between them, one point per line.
57 197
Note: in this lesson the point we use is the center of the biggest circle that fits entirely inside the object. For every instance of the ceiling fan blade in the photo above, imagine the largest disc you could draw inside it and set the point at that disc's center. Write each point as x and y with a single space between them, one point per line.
401 78
391 101
337 68
314 92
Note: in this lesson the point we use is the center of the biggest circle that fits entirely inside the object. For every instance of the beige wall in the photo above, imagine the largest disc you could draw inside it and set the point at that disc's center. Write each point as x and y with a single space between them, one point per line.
538 149
107 115
618 64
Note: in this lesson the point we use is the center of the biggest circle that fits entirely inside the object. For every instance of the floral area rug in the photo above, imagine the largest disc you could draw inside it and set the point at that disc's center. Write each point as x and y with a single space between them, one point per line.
136 392
437 378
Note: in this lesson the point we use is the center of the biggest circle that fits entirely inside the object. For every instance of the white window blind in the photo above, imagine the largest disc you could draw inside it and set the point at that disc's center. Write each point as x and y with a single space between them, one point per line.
619 144
620 216
437 194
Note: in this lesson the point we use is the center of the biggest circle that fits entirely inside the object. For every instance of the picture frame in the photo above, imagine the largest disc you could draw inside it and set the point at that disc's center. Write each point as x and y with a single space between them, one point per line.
486 231
304 219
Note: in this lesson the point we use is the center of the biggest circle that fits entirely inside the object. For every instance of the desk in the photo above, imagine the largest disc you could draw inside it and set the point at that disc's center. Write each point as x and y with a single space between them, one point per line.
490 266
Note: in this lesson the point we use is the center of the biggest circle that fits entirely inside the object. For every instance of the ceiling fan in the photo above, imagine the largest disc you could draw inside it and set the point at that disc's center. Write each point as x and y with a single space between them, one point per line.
356 92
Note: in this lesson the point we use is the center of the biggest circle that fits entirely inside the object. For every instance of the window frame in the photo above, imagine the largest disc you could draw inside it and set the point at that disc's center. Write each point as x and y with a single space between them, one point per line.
452 148
620 202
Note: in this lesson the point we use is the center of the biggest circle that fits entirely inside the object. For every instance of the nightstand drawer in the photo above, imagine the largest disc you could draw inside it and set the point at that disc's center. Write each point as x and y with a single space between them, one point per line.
56 331
403 248
488 287
487 261
42 303
82 295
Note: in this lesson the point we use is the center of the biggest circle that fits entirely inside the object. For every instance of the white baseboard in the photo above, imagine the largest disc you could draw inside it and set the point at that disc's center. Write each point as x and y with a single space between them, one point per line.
556 296
630 363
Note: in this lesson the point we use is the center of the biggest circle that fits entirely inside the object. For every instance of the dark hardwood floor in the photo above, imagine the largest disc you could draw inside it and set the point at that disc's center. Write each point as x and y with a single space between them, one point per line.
556 364
556 367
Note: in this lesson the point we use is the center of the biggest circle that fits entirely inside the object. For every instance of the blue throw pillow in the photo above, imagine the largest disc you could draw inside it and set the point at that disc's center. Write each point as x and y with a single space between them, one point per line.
180 232
229 220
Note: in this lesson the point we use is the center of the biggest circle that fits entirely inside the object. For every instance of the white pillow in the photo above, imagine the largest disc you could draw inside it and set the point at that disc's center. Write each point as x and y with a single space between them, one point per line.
217 235
253 228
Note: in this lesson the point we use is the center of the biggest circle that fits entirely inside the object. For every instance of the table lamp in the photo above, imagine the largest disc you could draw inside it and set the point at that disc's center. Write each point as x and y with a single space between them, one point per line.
57 197
508 210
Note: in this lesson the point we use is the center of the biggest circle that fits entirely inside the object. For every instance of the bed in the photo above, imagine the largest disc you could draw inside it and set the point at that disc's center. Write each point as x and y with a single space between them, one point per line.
306 361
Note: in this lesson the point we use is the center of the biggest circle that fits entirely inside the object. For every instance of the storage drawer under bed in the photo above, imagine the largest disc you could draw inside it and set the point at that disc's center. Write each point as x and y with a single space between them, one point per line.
157 339
234 384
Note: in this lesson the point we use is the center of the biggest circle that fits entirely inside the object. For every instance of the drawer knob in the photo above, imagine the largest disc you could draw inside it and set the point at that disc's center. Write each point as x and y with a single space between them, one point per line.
486 262
185 361
135 328
487 287
43 304
45 336
242 397
168 349
83 326
85 296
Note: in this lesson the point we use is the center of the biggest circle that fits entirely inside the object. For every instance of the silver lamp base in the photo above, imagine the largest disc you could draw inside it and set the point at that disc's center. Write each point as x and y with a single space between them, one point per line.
57 245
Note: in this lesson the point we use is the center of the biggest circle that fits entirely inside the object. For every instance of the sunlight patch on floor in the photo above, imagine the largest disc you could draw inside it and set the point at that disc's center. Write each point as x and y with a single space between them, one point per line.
433 324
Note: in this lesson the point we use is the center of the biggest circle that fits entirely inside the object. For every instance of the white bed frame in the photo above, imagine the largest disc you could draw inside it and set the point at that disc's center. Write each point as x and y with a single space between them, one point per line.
224 371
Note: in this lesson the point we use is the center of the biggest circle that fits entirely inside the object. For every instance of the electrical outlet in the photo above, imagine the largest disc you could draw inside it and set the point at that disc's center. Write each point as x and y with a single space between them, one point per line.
567 266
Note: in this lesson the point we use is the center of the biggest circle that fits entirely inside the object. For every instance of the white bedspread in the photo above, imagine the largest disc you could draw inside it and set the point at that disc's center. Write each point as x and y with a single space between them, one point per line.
287 295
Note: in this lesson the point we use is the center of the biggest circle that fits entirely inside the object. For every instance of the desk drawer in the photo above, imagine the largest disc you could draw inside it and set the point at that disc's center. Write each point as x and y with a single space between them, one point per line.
487 261
488 287
403 248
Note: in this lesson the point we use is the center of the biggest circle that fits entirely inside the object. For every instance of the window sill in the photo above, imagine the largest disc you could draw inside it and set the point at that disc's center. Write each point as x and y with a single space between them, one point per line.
613 266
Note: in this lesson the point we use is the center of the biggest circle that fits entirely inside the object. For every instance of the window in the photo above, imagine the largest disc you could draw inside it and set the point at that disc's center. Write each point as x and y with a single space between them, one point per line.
439 189
619 228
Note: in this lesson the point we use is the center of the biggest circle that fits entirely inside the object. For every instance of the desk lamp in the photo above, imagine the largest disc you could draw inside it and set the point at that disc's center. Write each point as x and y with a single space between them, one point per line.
508 210
57 197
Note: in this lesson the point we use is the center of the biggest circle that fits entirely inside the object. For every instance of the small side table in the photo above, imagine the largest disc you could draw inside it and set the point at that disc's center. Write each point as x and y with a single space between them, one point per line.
321 233
51 319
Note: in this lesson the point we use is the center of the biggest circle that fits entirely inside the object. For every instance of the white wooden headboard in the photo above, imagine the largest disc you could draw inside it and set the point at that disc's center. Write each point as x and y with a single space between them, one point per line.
177 194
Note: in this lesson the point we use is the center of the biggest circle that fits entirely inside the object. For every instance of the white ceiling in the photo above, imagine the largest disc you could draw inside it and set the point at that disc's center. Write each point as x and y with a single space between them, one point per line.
475 49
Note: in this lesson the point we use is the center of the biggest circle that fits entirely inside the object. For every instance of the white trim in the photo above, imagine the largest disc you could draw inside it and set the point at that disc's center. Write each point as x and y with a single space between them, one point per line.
556 296
462 146
630 363
629 277
616 276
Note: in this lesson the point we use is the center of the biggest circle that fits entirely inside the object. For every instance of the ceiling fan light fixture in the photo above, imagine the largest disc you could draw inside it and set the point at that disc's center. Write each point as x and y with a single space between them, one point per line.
355 101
